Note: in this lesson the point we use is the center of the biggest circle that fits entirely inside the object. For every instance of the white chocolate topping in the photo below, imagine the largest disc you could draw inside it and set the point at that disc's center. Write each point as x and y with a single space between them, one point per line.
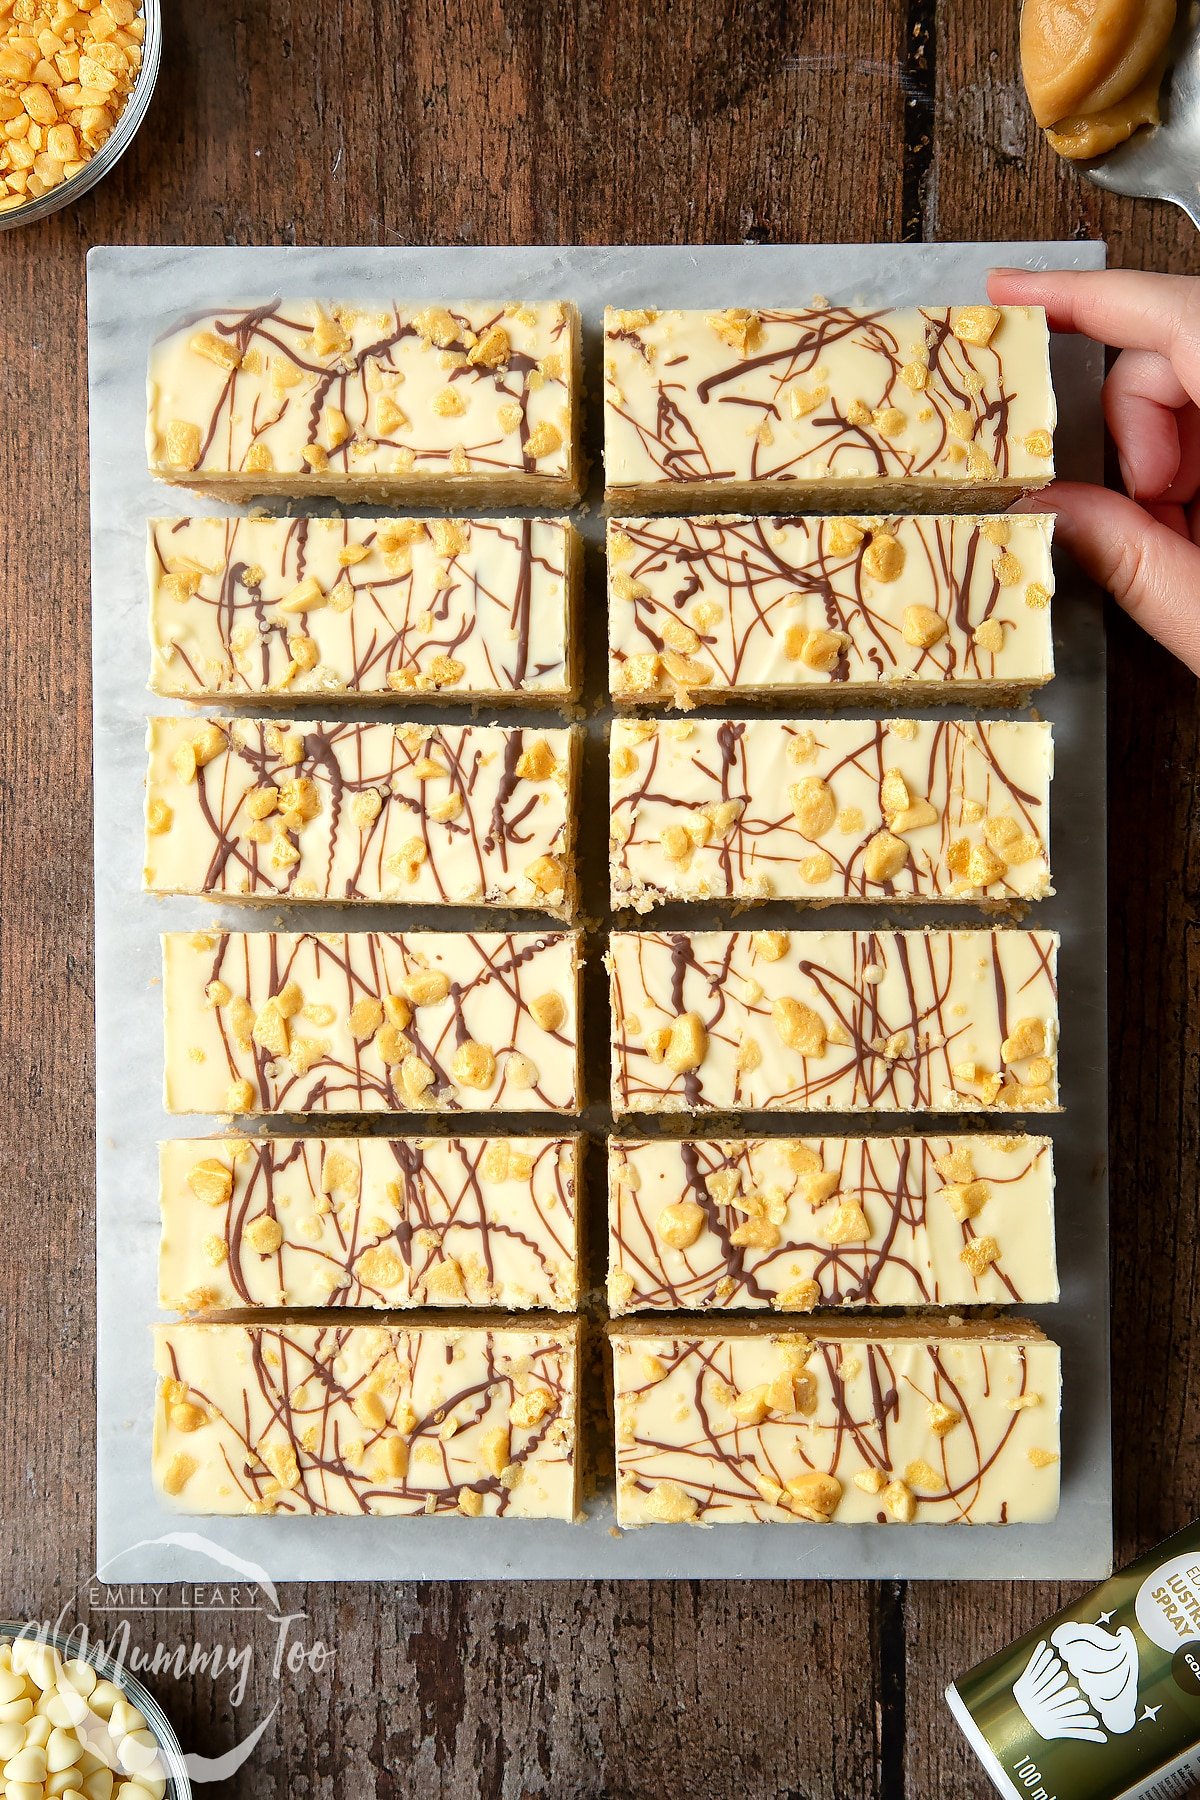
705 1224
843 809
264 1022
802 1021
428 609
424 814
943 606
369 1222
917 1423
300 397
326 1418
826 400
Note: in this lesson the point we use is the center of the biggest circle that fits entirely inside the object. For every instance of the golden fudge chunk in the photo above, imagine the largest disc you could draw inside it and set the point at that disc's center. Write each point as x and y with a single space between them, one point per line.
67 73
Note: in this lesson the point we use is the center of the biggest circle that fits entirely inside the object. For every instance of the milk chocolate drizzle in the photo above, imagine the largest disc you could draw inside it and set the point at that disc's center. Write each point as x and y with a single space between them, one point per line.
300 1383
764 575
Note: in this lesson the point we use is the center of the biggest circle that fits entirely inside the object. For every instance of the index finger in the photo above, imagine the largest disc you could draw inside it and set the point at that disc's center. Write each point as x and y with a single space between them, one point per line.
1123 307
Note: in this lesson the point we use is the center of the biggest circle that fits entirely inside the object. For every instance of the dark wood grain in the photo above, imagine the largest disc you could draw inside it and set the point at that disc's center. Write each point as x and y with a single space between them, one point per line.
992 175
377 122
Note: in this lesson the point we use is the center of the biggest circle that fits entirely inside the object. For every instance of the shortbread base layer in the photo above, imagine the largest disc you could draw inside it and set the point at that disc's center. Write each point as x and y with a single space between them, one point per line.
940 496
448 492
264 700
921 1324
640 901
711 1118
563 914
835 696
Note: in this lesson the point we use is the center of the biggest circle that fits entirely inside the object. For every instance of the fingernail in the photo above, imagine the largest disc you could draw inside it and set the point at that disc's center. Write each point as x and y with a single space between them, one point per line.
1045 500
1127 478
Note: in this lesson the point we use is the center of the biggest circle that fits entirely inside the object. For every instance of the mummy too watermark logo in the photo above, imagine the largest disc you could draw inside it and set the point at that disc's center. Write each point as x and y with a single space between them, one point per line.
231 1630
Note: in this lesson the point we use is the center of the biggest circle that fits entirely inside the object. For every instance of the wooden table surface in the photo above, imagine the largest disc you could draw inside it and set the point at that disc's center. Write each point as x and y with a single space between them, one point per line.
381 122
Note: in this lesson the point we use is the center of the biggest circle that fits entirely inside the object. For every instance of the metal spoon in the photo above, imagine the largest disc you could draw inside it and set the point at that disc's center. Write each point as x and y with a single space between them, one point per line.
1162 162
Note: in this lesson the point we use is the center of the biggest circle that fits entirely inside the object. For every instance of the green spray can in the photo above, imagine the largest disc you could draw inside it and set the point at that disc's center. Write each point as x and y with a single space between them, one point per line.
1103 1701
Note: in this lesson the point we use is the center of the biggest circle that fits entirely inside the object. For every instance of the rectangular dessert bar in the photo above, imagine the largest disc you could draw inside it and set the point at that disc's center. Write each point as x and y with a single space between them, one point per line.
471 403
946 407
705 1224
431 609
323 1417
369 1222
427 815
942 609
837 1021
374 1021
911 810
908 1421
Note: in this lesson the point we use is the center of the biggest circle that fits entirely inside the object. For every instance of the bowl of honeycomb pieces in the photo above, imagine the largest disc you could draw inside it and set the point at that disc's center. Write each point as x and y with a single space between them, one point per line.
76 78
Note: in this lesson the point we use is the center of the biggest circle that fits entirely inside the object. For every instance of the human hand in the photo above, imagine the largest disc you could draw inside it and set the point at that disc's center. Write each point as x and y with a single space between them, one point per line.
1144 548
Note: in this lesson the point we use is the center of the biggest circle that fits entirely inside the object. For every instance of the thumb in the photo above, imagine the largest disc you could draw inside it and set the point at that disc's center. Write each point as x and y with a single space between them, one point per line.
1150 570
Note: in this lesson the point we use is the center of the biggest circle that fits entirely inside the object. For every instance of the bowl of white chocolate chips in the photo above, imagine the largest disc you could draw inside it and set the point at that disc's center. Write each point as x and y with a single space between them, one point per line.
78 1727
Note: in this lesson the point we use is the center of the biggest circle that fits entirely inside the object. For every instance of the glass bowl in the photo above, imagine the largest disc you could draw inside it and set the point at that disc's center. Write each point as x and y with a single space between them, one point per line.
118 140
179 1786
